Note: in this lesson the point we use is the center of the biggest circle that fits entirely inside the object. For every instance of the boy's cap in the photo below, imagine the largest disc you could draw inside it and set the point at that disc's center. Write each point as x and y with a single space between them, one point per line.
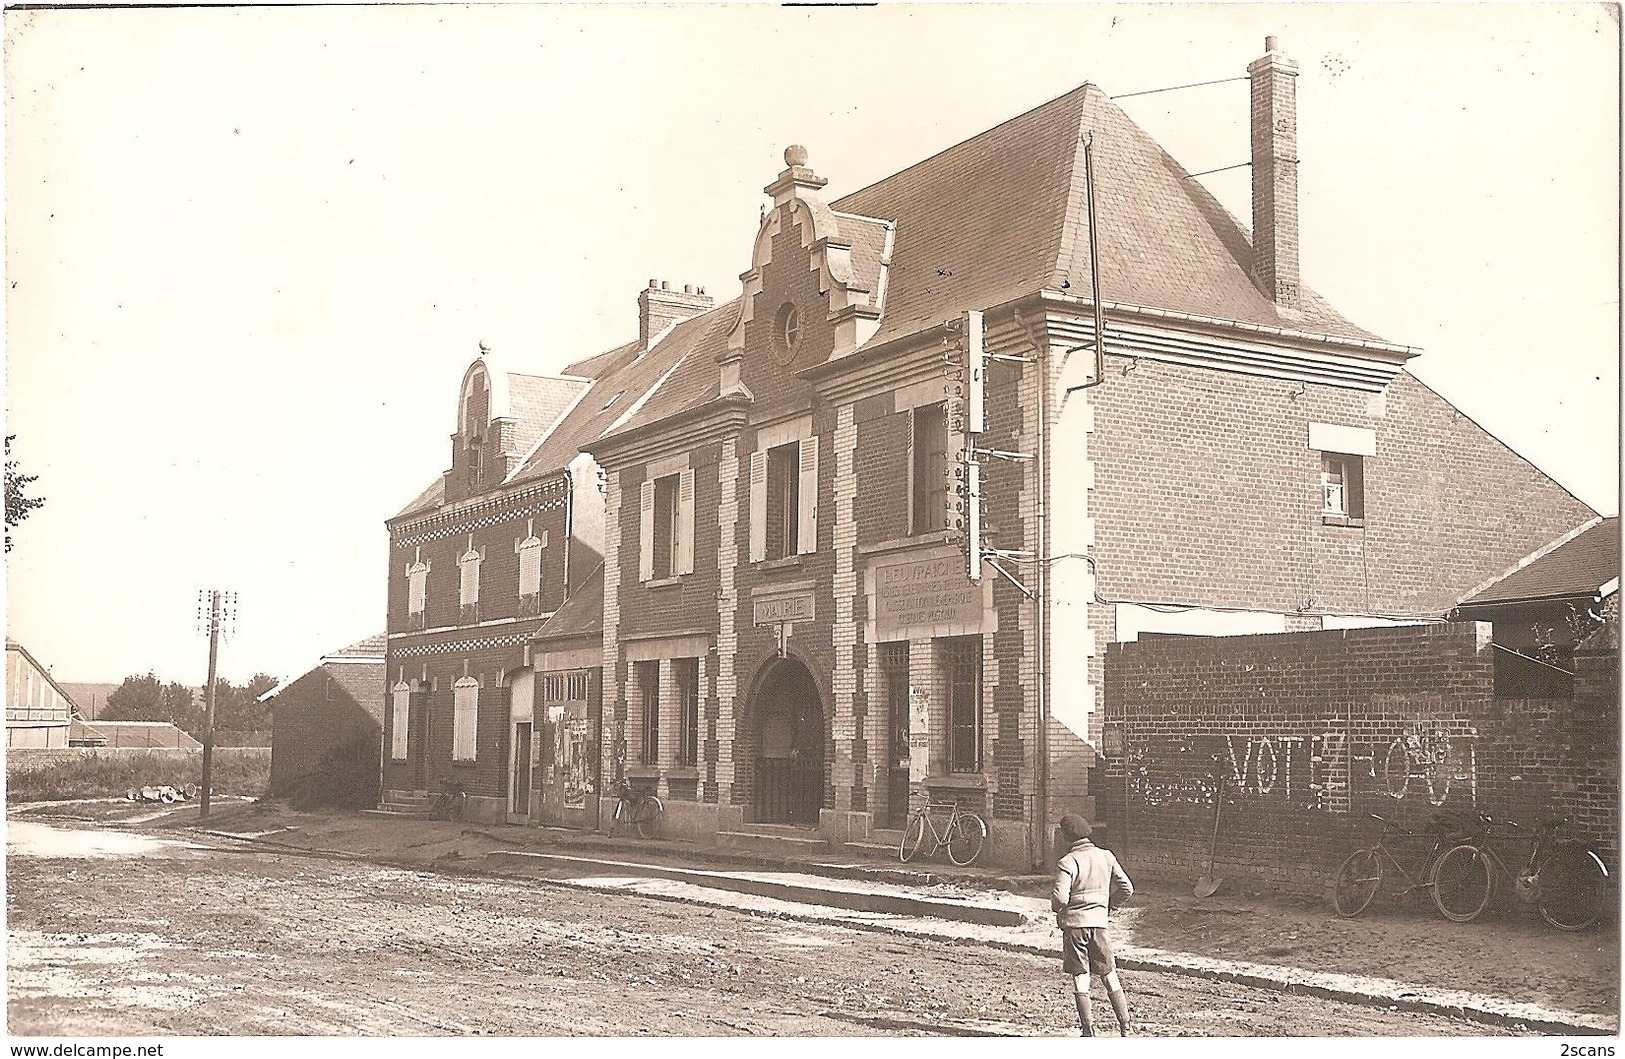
1074 827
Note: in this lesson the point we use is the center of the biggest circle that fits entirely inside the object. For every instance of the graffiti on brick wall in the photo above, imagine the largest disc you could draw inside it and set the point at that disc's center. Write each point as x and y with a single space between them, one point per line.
1301 770
1424 760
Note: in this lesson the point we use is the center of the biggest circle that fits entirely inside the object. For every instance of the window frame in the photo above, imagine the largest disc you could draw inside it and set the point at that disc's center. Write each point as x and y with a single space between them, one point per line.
1344 472
960 662
465 720
685 675
648 676
928 470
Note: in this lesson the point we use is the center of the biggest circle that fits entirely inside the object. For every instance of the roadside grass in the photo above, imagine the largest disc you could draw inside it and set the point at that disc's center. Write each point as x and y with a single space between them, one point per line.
44 776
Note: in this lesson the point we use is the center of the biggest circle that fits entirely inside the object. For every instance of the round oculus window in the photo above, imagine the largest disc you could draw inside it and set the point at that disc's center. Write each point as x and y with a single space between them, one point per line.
787 332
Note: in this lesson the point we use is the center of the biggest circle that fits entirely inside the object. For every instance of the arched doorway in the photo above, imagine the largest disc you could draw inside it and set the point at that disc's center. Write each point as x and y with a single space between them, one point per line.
789 723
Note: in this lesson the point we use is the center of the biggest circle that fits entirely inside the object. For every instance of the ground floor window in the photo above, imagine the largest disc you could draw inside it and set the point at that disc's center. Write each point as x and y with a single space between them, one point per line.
648 677
465 699
686 674
961 660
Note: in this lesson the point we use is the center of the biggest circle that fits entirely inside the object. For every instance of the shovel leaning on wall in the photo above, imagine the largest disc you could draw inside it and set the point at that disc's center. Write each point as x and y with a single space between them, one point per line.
1208 884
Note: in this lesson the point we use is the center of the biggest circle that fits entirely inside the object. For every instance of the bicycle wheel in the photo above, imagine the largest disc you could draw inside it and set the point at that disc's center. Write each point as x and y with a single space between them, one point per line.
459 802
1357 881
1573 888
1462 884
965 838
646 816
913 837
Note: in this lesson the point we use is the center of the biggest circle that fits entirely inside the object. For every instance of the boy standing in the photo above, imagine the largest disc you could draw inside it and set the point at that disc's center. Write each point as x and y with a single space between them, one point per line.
1088 882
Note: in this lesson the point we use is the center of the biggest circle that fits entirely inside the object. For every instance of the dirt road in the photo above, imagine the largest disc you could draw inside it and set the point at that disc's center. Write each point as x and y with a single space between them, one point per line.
180 940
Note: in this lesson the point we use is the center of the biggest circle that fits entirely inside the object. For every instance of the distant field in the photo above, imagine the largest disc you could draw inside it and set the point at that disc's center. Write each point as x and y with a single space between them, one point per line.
54 775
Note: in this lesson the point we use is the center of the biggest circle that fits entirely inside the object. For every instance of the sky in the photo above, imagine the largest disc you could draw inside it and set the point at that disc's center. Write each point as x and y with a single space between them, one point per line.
251 252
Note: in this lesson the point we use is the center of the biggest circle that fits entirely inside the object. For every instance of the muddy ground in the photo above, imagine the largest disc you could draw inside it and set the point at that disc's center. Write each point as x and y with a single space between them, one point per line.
184 941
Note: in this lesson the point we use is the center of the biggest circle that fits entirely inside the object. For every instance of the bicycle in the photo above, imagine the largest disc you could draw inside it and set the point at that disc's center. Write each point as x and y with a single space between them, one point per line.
449 803
963 834
1564 879
1361 873
638 809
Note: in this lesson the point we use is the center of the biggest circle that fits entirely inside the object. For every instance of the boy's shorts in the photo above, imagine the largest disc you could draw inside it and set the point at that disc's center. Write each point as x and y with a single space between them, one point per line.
1086 949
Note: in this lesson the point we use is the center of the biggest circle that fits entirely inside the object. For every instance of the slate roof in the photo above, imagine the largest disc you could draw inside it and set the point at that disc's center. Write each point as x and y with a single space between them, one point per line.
1004 213
537 401
371 647
1578 567
580 615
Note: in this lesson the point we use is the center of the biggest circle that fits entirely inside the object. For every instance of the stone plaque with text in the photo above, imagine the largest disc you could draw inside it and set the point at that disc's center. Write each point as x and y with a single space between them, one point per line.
921 596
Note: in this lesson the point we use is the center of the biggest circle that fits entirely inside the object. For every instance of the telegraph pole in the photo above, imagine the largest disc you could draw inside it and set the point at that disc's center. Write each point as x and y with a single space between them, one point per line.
215 619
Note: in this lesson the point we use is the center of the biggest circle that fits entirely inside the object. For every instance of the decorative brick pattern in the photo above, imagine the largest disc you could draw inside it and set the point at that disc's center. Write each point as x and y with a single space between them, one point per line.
727 608
848 769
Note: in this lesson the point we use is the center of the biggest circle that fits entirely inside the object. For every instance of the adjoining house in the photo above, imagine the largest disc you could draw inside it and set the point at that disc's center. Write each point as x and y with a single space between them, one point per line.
39 711
326 725
868 527
1546 605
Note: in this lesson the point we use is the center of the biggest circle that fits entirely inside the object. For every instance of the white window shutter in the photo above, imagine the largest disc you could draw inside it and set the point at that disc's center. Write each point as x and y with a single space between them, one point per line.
758 506
807 498
398 722
684 559
646 530
465 720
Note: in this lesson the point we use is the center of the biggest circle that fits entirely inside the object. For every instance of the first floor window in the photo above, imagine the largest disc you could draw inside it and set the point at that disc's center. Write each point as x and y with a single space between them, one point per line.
961 659
1342 480
783 499
665 529
686 674
929 469
648 674
465 711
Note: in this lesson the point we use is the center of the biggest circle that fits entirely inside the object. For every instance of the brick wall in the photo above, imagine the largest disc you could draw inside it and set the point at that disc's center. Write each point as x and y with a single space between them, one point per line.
315 721
1205 492
1310 732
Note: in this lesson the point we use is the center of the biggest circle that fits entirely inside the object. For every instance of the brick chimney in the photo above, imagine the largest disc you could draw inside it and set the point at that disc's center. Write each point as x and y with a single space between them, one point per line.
1275 174
659 307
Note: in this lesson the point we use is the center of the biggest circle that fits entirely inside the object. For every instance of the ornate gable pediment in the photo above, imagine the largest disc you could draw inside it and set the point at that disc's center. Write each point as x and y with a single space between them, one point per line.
803 301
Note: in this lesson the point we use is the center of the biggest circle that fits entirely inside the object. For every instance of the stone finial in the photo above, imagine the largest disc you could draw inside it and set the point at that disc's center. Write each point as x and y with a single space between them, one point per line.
795 155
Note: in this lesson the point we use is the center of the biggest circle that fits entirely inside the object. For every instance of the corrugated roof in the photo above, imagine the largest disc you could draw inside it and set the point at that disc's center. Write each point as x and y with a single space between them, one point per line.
580 615
1575 568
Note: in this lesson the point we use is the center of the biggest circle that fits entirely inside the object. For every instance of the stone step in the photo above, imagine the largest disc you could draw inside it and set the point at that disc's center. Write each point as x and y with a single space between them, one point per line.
795 842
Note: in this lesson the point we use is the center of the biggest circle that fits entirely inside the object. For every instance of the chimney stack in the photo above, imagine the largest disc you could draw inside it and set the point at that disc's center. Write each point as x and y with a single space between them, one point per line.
659 307
1275 174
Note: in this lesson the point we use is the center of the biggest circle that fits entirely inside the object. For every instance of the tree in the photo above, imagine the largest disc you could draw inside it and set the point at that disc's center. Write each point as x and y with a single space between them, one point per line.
237 709
17 505
139 698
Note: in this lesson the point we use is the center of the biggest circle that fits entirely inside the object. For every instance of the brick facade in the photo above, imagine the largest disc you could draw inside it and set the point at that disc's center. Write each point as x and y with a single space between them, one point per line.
1311 732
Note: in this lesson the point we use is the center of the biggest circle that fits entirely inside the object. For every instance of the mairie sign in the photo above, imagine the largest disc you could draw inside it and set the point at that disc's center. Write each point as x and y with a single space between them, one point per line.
776 610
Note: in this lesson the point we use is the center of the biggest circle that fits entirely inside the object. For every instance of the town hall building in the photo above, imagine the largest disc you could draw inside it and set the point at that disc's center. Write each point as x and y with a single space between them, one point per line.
867 528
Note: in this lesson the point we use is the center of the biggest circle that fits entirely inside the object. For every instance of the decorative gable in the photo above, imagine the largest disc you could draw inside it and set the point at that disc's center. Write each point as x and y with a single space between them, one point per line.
803 301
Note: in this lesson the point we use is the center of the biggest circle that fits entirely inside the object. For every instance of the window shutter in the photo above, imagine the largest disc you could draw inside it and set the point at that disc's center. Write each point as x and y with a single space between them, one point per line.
758 506
683 561
807 497
398 722
465 718
646 528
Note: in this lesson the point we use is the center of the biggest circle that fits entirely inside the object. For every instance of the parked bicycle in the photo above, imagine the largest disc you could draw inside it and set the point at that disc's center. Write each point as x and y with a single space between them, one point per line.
449 803
1363 872
638 809
963 834
1564 879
